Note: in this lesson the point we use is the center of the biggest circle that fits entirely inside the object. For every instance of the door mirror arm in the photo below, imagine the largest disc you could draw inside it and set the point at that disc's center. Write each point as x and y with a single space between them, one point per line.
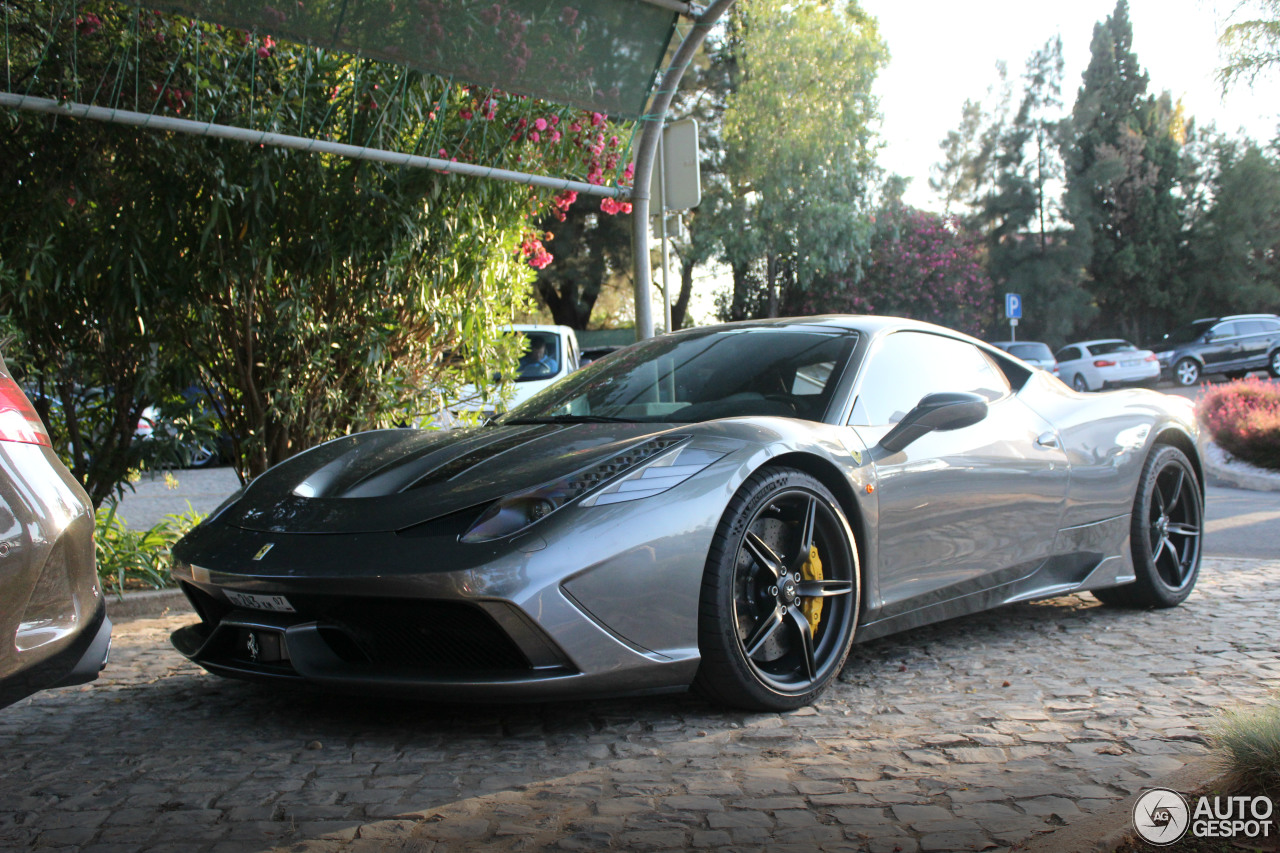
941 411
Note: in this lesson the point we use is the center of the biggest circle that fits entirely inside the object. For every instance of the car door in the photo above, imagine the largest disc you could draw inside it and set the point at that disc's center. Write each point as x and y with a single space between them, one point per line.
1255 342
964 510
1221 350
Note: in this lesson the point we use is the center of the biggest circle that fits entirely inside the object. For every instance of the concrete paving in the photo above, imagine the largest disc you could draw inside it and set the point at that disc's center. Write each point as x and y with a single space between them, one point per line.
979 733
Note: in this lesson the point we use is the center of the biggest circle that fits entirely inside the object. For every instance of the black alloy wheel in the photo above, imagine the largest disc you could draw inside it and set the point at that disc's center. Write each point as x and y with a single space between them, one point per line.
780 595
1165 533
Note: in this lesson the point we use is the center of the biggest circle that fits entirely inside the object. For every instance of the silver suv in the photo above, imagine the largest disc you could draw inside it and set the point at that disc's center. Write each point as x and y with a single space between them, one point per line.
1231 345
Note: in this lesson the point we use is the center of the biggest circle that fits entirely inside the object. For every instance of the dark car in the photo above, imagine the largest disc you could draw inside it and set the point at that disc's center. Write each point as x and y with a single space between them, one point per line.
54 629
1231 346
727 508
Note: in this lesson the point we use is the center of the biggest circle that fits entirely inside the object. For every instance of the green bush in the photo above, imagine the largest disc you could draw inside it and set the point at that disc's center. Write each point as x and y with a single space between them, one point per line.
1243 417
1249 740
133 559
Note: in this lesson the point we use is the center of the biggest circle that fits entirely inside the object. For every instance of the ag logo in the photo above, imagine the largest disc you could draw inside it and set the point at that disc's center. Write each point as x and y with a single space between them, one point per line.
1161 816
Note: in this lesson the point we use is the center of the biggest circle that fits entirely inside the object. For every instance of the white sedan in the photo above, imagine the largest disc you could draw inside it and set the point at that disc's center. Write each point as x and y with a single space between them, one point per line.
1094 365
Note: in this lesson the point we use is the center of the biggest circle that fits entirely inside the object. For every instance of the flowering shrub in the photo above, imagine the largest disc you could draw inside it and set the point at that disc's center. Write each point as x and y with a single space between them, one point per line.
1243 417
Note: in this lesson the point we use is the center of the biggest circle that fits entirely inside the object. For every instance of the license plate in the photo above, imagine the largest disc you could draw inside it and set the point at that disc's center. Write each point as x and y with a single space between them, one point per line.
276 603
1132 363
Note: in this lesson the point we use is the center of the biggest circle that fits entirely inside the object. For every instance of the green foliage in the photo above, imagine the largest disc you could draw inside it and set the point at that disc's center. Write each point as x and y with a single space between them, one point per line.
1252 45
1243 417
799 149
1233 262
304 294
1249 739
131 559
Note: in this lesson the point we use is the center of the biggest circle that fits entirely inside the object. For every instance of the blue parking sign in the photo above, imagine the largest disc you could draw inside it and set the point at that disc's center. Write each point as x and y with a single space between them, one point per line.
1013 306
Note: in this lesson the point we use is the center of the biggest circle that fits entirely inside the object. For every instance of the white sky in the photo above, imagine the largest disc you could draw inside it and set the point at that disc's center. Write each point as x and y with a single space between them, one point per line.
944 52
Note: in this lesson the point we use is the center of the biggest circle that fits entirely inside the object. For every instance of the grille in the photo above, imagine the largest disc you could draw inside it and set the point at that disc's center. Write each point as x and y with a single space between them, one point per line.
436 636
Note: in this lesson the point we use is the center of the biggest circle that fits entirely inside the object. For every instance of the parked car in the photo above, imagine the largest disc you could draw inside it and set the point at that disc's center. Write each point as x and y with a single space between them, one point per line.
590 354
54 629
1034 353
726 508
1110 363
550 354
1228 345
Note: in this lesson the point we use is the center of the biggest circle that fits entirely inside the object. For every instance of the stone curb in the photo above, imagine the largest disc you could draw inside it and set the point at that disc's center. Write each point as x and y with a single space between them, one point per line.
1104 831
150 603
1225 470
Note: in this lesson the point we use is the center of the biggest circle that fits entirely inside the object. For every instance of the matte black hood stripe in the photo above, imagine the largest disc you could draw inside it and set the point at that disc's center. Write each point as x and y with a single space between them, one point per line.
462 464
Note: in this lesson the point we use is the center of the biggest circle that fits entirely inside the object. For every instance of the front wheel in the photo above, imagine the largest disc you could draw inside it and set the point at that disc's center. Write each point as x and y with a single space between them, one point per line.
1186 372
780 595
1165 532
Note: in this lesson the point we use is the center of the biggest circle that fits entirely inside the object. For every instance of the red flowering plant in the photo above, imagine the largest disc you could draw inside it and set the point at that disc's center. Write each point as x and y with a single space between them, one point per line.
1243 418
922 265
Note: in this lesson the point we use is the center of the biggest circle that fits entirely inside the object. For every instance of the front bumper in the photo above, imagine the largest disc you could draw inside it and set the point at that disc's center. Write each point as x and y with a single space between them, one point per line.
594 605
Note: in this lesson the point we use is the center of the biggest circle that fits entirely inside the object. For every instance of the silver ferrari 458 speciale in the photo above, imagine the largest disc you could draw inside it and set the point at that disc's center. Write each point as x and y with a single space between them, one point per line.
725 508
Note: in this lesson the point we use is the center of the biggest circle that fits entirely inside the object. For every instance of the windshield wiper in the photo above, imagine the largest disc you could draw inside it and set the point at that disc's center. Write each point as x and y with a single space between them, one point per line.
570 419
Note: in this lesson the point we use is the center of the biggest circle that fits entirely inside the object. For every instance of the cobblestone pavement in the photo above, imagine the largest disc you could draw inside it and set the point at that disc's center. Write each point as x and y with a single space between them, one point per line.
978 733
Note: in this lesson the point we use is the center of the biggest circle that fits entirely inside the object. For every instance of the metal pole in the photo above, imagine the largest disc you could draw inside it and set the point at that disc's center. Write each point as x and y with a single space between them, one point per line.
662 215
301 143
645 155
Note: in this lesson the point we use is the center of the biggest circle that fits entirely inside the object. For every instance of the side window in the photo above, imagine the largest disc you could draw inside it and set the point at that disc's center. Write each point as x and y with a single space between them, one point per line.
811 379
906 366
1068 354
1254 327
1270 326
1224 330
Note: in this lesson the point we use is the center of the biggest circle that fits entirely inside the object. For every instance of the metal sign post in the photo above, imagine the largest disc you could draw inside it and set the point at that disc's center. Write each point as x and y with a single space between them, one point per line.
1013 310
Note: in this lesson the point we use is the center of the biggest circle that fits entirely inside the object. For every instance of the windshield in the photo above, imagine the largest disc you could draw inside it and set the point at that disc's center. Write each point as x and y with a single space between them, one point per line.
541 356
1188 333
702 376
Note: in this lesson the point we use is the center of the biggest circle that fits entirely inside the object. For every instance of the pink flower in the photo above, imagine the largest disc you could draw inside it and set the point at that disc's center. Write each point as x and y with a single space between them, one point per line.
465 115
568 15
540 124
534 136
597 119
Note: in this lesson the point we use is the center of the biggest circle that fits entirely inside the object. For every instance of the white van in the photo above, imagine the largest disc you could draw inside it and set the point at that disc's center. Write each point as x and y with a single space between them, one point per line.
550 354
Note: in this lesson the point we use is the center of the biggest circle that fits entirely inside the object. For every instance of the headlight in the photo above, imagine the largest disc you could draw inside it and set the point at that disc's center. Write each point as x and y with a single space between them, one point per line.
647 469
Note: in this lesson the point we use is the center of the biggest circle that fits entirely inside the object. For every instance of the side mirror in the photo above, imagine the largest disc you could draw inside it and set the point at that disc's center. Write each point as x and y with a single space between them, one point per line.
944 410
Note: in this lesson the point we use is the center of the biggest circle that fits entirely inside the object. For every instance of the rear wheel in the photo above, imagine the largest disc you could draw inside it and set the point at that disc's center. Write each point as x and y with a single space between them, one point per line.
1080 383
780 595
1186 372
1273 364
1165 533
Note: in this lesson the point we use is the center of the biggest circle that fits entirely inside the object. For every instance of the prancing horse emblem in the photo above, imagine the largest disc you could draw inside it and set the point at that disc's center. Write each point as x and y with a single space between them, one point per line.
262 552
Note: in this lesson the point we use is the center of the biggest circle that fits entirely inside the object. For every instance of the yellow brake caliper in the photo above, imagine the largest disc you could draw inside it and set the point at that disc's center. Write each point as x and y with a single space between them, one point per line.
812 571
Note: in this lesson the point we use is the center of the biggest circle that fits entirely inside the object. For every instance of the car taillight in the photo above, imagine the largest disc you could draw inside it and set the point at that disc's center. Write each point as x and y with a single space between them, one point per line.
1102 362
18 419
1151 357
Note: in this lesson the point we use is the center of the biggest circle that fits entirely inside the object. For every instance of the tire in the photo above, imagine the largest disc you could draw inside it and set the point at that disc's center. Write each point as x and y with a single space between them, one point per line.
1080 383
1164 534
1273 364
202 456
1186 372
769 642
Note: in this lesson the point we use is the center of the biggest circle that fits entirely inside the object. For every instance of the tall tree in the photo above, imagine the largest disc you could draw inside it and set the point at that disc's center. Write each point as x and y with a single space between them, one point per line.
1122 150
799 145
592 252
1027 253
1234 255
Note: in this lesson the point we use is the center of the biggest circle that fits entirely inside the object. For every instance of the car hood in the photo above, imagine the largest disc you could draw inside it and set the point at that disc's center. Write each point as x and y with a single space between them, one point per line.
392 479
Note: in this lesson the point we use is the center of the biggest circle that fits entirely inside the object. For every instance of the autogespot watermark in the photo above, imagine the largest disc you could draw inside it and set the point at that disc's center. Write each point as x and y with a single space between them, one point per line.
1162 817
